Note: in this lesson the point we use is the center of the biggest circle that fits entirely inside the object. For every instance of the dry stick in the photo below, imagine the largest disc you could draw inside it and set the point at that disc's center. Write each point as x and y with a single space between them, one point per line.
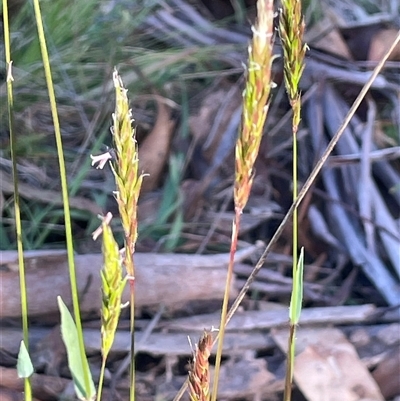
303 192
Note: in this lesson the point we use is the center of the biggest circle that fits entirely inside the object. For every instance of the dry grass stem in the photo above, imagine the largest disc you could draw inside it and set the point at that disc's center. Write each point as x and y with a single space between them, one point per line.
199 373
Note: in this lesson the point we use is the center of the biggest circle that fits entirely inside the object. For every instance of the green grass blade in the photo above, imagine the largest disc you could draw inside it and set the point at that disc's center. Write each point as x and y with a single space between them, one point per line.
297 291
171 188
294 315
174 235
24 364
78 365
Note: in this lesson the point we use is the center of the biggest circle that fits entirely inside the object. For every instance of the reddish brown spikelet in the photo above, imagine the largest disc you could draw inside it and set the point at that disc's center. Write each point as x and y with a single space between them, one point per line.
199 372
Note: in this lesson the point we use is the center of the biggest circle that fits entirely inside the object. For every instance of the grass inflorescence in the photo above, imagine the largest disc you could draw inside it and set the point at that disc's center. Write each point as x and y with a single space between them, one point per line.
125 167
255 108
291 31
199 370
112 287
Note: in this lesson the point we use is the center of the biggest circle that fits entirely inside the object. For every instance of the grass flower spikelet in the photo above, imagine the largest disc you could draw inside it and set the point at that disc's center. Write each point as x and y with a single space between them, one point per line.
291 30
112 287
129 182
125 170
199 373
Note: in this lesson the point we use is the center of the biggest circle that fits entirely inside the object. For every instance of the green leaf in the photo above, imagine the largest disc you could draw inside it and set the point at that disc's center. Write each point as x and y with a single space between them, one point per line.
297 291
174 235
171 188
24 364
76 363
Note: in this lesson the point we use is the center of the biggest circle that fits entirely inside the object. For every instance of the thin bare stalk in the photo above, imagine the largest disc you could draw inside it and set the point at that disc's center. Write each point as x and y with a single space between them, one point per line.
224 309
18 226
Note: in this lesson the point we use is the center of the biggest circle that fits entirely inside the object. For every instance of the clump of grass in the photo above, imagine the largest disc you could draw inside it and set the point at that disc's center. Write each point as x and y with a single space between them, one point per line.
255 108
199 371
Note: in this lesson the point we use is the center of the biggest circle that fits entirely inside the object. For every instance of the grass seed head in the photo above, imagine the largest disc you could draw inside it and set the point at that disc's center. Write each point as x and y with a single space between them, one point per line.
199 372
291 30
126 170
255 101
112 287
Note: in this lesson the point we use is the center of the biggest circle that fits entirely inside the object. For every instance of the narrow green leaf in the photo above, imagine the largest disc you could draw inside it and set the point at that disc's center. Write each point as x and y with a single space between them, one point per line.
24 364
76 365
175 233
169 202
297 292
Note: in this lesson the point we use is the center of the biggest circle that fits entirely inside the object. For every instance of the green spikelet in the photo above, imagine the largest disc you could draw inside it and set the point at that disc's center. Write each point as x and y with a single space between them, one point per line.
112 287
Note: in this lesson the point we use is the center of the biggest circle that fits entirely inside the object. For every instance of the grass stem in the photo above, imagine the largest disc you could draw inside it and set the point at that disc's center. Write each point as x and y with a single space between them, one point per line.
255 108
129 182
64 189
18 225
224 309
291 30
